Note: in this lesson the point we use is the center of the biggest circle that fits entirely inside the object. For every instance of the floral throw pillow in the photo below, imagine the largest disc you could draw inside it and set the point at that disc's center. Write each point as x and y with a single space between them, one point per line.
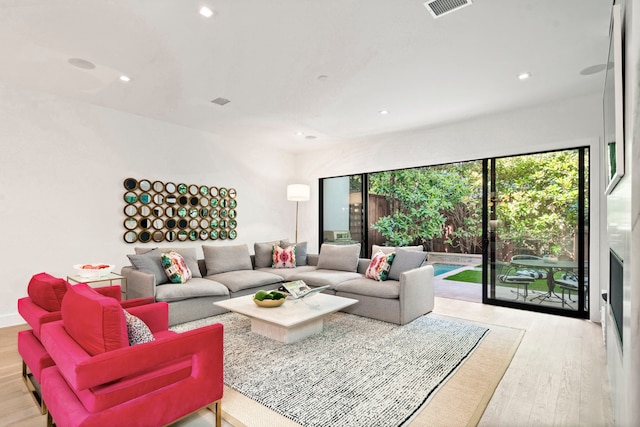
137 330
284 257
175 267
379 266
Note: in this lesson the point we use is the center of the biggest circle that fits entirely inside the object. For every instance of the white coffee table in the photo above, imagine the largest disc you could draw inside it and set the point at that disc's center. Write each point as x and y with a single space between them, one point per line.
293 320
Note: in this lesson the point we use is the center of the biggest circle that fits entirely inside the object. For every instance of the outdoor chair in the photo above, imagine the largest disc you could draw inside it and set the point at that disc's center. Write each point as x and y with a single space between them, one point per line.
568 282
536 274
117 367
506 273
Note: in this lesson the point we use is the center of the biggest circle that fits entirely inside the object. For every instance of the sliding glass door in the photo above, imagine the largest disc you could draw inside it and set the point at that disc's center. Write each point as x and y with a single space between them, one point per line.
342 212
536 231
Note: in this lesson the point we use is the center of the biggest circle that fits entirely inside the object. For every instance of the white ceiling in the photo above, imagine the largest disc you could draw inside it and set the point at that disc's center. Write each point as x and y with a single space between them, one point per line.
266 57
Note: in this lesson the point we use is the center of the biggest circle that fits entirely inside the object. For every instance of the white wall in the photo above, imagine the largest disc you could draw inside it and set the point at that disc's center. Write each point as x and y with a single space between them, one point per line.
623 220
569 123
61 184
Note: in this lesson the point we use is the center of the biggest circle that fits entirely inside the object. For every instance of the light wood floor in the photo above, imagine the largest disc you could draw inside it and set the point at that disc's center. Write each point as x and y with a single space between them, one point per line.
558 376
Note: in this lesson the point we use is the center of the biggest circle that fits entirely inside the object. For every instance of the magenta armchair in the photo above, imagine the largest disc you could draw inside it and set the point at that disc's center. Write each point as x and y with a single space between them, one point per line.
43 306
99 379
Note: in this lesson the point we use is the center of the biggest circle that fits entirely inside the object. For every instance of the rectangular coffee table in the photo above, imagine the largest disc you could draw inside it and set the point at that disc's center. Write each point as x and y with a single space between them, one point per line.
293 320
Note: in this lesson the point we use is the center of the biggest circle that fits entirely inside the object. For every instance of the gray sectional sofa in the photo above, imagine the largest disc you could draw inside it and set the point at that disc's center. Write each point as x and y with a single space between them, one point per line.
230 271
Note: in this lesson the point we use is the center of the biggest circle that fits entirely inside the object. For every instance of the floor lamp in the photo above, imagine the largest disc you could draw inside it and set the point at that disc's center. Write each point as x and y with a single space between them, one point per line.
298 193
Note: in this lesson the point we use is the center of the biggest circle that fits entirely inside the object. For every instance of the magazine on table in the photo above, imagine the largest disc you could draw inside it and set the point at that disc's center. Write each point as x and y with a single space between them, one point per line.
298 289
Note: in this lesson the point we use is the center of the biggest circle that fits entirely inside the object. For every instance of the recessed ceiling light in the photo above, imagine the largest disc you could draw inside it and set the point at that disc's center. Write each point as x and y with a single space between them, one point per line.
206 12
125 79
524 76
299 133
81 63
220 101
383 112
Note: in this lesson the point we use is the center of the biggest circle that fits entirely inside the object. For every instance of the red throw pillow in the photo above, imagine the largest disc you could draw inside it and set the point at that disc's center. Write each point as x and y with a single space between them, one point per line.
47 291
96 322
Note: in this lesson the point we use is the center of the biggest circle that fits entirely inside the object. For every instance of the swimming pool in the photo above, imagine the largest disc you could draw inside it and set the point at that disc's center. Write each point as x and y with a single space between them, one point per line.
441 268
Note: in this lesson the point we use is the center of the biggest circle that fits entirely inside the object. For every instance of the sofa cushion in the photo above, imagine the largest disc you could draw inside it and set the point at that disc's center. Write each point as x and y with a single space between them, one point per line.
331 278
263 253
221 259
339 257
389 289
284 257
301 251
406 260
137 331
379 266
189 254
288 274
47 291
96 322
175 267
194 288
150 262
245 279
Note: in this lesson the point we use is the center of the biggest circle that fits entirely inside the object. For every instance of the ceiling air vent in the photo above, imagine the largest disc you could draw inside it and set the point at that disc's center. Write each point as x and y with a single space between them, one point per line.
442 7
221 101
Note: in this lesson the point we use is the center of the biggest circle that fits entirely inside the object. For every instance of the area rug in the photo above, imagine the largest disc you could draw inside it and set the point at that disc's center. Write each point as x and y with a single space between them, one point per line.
357 372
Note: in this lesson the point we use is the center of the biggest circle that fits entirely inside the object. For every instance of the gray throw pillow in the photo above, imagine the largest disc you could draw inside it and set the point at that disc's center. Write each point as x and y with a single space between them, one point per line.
405 260
220 259
150 262
301 251
189 254
264 253
339 257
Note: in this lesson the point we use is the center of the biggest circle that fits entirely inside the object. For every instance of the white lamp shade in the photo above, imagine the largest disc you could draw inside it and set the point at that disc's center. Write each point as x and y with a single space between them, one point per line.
298 192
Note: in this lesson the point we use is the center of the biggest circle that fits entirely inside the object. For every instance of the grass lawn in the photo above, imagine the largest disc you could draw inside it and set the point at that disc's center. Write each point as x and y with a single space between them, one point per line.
475 276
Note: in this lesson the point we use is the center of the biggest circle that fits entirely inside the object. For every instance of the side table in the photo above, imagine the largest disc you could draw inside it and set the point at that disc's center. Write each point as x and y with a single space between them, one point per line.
111 277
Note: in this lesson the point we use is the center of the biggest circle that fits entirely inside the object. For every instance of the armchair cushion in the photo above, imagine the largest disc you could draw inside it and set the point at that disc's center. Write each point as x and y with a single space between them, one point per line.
97 323
47 291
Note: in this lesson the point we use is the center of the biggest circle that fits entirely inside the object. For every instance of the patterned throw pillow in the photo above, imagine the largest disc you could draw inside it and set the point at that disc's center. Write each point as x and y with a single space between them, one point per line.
175 267
379 266
284 258
138 331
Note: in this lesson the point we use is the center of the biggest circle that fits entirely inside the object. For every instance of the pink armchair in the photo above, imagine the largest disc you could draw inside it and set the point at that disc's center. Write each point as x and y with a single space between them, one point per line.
43 306
100 380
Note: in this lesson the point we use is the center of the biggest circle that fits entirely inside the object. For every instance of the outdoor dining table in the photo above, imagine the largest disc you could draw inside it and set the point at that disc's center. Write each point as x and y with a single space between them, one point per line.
550 267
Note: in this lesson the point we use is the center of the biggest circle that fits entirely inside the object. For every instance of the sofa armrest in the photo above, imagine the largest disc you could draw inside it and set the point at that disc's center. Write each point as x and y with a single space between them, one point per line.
417 294
155 316
203 345
139 283
35 315
110 291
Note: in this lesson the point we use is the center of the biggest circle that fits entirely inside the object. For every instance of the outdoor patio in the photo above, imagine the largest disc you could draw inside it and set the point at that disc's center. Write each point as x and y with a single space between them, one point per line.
472 292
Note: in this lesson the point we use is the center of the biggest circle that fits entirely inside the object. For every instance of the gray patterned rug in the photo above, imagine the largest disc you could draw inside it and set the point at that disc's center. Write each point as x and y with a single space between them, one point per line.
357 372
